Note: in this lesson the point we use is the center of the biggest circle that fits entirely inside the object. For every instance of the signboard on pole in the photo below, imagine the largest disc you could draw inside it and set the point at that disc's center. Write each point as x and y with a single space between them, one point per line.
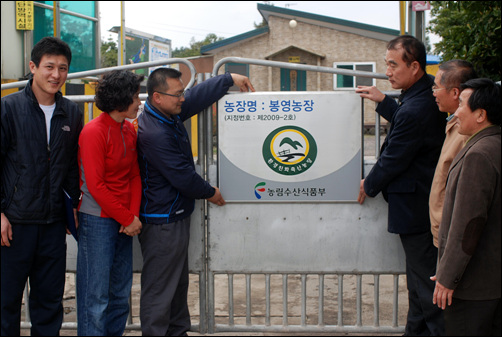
24 15
144 47
158 51
420 6
290 146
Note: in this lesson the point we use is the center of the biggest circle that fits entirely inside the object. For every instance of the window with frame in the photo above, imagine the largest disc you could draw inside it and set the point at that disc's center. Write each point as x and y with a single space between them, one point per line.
351 82
79 33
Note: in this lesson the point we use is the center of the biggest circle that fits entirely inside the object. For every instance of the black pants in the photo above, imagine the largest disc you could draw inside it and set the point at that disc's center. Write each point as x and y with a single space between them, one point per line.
473 318
164 279
424 318
37 253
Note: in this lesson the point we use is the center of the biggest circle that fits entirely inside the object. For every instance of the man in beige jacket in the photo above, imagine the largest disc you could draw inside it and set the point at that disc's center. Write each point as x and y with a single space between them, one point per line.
446 90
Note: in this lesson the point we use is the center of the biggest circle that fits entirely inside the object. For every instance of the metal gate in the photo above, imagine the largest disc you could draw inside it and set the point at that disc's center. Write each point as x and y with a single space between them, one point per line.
297 251
283 267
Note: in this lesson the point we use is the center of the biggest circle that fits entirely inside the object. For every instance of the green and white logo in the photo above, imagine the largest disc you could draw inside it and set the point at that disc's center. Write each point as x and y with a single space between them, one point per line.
289 150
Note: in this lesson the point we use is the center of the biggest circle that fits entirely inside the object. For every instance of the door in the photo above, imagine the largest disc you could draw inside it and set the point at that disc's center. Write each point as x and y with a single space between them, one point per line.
293 80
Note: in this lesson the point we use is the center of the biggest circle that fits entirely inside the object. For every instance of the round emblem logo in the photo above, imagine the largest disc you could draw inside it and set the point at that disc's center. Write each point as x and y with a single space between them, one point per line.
289 150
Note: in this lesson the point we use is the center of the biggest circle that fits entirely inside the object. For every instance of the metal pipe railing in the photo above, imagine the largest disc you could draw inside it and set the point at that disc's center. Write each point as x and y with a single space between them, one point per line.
100 71
296 66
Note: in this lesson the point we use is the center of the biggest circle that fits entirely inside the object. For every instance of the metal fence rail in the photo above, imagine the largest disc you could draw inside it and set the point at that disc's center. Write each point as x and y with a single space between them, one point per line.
100 71
300 303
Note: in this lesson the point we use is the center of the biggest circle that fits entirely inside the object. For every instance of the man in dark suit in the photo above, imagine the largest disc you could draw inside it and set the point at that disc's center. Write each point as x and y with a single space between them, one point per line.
468 272
404 172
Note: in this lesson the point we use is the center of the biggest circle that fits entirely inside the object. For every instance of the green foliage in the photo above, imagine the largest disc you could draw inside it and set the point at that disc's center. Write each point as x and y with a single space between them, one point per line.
194 49
470 30
262 24
109 53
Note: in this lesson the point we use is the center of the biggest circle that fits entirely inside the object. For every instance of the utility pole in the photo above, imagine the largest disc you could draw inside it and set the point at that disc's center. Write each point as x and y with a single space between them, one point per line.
416 18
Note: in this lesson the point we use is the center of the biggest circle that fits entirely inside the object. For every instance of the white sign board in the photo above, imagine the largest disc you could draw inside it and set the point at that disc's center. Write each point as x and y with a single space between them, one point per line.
158 51
290 146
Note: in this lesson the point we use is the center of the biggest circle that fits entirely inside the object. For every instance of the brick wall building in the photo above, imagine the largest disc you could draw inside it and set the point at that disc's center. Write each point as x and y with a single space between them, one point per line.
316 40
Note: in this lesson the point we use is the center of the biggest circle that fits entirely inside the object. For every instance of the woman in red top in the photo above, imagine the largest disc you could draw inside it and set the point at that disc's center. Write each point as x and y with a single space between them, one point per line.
109 208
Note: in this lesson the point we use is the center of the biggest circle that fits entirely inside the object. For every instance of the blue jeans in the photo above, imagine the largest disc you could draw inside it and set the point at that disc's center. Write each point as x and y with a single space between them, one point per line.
104 277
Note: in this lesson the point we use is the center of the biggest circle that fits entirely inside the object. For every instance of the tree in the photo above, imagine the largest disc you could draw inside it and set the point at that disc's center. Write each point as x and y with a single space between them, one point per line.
470 30
260 25
194 49
109 53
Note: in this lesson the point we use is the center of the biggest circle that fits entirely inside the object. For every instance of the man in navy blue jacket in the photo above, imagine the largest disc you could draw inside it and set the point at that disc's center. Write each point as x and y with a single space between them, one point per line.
39 143
404 172
170 187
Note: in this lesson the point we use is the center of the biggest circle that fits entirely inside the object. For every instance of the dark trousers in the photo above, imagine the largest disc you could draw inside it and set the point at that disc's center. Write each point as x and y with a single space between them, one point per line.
424 318
473 318
164 279
37 253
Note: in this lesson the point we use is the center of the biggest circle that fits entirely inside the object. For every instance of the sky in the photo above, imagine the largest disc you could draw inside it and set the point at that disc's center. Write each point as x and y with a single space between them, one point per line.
180 21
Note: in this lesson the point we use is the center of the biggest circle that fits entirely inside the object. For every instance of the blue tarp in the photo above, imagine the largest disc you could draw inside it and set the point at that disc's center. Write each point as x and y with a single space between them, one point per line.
433 59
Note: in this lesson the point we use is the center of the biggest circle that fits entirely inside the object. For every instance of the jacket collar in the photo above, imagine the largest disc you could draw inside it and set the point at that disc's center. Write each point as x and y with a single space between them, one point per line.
58 98
157 114
423 84
451 122
487 132
108 120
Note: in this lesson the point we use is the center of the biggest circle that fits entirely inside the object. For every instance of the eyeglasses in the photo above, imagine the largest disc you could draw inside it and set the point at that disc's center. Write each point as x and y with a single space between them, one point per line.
178 96
436 89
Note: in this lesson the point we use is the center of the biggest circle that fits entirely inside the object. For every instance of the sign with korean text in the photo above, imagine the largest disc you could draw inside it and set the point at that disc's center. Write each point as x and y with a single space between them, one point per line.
24 15
290 146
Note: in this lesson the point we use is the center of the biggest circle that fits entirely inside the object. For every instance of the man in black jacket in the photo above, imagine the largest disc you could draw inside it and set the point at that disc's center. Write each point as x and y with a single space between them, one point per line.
39 134
404 172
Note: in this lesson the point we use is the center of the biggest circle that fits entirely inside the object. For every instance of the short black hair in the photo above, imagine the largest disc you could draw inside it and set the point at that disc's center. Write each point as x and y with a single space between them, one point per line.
50 46
414 50
456 72
485 95
157 80
116 90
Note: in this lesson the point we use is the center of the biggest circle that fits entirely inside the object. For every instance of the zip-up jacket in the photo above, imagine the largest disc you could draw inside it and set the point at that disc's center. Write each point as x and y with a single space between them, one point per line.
169 181
109 172
408 159
34 173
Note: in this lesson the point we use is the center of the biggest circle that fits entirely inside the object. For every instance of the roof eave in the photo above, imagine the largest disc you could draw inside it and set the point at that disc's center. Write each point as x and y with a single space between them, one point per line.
235 39
371 31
